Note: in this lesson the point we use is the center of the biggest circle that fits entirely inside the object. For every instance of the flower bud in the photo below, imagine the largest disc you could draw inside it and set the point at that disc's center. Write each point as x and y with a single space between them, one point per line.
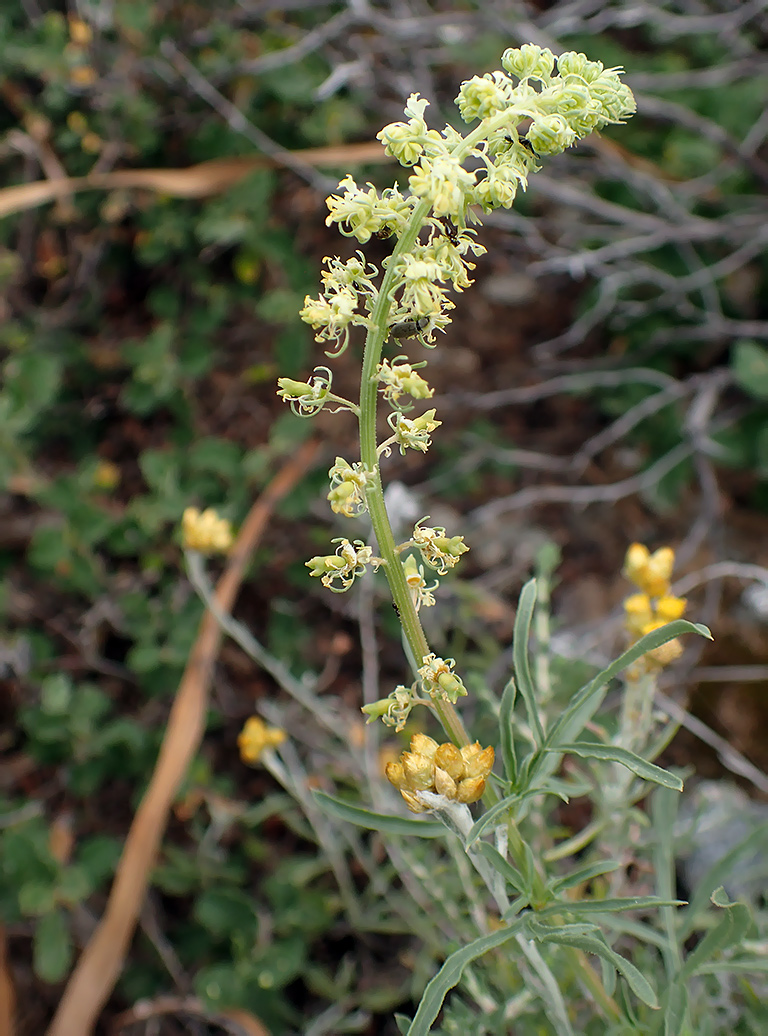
418 770
449 759
667 653
658 572
424 745
528 62
550 134
470 790
413 803
290 389
478 762
445 784
635 562
395 775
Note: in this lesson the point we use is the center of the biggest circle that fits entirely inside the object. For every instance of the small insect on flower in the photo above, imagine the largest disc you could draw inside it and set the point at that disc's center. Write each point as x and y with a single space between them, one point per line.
409 328
525 143
450 231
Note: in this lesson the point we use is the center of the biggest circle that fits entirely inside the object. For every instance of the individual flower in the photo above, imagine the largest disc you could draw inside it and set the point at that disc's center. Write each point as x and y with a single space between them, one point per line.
413 433
498 187
362 214
106 475
348 482
422 593
255 737
439 680
458 774
408 141
439 551
331 315
307 398
422 295
350 561
483 96
394 710
550 134
400 378
205 532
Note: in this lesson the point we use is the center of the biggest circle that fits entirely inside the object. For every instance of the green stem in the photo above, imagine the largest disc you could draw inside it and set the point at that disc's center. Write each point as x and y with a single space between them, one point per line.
374 495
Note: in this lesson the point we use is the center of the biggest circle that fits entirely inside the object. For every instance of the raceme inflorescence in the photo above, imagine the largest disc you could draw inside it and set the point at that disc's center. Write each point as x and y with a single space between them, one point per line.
535 107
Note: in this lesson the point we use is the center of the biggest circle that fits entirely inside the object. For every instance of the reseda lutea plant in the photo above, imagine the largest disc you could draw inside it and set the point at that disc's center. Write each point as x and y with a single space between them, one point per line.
559 102
535 893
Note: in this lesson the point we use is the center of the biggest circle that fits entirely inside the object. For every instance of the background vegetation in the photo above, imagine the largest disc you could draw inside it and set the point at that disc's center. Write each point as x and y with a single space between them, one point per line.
605 381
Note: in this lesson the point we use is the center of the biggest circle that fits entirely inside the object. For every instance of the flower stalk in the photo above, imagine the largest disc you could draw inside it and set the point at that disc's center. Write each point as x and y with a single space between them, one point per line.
557 101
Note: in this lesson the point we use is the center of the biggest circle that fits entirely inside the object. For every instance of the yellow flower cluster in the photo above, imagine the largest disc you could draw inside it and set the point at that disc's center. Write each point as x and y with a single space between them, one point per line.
205 532
457 774
654 606
255 737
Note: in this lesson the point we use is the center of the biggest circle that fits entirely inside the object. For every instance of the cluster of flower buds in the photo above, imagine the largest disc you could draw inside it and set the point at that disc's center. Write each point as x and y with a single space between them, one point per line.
655 605
206 532
255 737
458 774
338 571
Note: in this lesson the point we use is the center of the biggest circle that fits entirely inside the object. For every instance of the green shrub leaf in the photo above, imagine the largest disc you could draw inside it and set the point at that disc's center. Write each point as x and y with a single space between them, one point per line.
385 822
633 762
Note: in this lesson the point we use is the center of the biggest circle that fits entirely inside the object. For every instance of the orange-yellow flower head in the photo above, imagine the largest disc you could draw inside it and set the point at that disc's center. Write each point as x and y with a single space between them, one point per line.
255 737
654 606
458 774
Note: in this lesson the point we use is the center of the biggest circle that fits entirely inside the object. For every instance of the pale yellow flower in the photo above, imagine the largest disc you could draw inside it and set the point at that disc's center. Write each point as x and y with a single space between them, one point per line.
205 531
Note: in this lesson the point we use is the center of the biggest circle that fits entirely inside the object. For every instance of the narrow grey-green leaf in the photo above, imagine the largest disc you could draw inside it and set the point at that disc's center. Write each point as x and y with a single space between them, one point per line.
611 905
507 729
623 925
729 931
638 983
450 974
507 870
676 1011
635 763
490 818
586 701
385 822
520 658
755 966
582 874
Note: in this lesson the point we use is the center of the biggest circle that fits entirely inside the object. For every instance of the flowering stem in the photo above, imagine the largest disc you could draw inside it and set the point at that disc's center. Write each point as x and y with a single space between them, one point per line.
374 493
